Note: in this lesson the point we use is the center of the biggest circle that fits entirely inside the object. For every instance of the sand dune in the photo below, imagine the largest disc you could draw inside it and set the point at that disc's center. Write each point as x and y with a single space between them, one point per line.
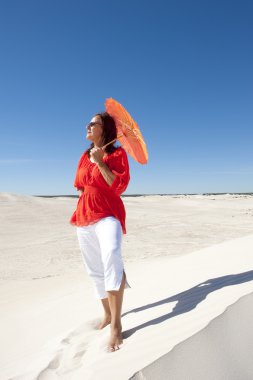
180 299
193 291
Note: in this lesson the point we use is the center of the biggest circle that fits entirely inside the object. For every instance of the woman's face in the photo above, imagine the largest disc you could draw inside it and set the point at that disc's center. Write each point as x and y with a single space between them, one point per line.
95 130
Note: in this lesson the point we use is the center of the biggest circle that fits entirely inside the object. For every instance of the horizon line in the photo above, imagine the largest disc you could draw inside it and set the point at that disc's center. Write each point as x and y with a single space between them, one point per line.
146 195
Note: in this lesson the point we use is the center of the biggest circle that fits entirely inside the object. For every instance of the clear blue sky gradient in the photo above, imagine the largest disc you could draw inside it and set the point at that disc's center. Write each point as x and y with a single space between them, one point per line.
183 69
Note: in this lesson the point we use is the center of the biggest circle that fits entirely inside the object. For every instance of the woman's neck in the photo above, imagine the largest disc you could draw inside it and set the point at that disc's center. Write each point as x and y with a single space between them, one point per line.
98 144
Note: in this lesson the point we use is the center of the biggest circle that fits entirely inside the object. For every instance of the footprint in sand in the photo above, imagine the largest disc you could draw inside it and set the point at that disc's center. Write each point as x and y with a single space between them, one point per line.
55 363
47 374
71 353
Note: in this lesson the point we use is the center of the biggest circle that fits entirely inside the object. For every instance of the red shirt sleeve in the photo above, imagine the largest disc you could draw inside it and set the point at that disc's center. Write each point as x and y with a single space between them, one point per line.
76 182
118 164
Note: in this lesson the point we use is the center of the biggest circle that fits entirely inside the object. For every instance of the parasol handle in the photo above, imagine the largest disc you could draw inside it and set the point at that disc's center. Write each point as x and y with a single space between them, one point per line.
104 146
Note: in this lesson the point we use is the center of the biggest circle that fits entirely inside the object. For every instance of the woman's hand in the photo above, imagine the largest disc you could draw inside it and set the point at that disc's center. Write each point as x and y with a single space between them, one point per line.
97 155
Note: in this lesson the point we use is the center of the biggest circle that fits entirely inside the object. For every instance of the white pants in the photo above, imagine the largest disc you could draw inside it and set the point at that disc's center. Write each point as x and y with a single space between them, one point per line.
100 245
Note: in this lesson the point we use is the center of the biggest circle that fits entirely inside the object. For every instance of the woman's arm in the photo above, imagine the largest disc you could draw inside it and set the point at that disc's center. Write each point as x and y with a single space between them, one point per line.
106 173
97 156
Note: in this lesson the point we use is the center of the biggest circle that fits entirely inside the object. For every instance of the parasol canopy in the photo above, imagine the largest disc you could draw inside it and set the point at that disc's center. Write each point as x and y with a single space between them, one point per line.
128 132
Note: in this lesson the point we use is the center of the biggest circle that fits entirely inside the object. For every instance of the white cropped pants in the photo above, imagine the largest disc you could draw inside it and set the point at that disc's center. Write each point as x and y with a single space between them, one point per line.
100 245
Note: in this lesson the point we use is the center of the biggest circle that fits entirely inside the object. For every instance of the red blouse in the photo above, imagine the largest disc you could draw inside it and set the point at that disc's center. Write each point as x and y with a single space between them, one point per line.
99 199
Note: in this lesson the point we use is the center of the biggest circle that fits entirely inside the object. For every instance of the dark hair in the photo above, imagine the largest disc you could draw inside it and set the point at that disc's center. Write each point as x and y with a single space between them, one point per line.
109 132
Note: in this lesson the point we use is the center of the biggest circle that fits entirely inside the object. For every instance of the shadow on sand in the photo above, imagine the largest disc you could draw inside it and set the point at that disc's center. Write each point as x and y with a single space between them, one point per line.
188 299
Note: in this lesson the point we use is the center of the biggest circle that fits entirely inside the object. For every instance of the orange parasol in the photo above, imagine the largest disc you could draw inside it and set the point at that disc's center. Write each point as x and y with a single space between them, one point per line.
128 132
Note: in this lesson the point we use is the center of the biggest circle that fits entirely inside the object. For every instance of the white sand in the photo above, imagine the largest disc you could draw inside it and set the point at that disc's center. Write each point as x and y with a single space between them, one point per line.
48 311
222 350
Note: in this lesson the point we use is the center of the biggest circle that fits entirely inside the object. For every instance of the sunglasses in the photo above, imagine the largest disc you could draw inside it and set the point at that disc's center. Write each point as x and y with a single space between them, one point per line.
92 124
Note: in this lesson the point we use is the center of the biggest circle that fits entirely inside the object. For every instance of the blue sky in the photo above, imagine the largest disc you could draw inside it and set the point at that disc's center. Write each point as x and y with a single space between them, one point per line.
183 69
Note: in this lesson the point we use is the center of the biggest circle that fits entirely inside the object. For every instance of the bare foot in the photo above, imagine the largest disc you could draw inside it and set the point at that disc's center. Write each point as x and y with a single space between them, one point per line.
115 339
106 321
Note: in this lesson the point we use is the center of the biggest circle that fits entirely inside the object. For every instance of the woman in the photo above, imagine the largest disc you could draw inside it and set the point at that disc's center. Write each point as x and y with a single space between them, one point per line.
102 176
